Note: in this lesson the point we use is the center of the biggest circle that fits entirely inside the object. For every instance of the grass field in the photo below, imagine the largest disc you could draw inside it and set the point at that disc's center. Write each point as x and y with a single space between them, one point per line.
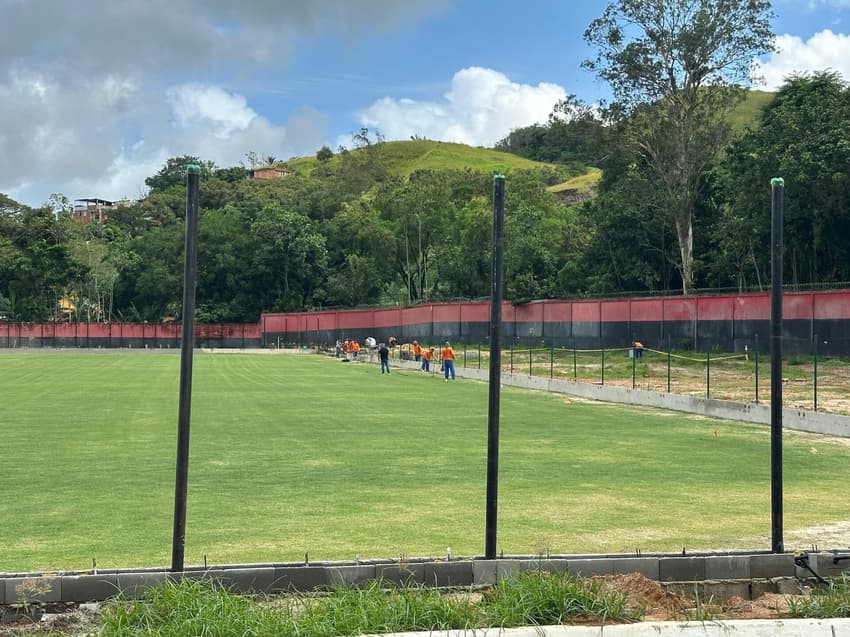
295 454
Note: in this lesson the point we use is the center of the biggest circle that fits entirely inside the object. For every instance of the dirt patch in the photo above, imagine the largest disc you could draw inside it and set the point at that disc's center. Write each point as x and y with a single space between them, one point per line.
658 604
59 619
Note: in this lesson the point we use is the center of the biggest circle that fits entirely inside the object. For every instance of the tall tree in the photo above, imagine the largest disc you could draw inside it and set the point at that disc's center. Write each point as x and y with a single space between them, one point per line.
675 68
803 135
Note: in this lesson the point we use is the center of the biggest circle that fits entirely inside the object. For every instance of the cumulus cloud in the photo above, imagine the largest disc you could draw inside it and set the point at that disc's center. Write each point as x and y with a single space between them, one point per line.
481 107
94 96
840 4
825 50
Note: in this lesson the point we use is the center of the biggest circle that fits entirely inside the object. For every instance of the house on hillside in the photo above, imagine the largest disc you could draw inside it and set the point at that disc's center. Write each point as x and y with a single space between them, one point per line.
92 209
269 172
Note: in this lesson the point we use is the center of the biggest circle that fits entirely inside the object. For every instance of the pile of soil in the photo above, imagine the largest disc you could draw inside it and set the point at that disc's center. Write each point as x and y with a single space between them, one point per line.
658 604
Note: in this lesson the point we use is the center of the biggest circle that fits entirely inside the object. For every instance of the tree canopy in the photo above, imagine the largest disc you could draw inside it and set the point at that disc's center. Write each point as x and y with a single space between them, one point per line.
674 67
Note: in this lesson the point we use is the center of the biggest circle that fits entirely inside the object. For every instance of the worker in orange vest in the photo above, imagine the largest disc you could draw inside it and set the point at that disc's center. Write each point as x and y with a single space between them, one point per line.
427 355
417 351
447 355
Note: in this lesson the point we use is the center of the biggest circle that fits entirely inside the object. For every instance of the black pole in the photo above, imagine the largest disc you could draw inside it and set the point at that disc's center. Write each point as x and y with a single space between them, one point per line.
777 185
193 174
815 377
757 369
495 366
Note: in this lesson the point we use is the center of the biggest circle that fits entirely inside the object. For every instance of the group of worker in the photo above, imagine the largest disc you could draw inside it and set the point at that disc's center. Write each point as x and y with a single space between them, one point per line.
347 347
421 355
424 357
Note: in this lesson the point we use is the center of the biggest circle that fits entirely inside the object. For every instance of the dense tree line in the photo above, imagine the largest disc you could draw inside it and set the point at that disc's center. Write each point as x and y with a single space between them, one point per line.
353 234
683 202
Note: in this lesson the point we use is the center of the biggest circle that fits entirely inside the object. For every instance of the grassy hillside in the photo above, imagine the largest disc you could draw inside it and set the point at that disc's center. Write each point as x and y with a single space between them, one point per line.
746 114
405 157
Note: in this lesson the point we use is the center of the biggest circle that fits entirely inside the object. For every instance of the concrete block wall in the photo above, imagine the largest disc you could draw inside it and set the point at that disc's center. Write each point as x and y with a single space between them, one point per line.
718 575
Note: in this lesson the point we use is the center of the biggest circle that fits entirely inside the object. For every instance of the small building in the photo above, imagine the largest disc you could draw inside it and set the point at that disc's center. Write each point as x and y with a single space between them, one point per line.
269 172
92 209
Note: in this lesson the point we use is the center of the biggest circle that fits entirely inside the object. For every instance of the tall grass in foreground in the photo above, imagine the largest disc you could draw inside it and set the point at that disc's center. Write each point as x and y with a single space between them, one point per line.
192 607
824 602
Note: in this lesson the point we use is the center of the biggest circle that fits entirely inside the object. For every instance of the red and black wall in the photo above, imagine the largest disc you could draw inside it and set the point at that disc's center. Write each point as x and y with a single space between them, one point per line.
726 323
700 323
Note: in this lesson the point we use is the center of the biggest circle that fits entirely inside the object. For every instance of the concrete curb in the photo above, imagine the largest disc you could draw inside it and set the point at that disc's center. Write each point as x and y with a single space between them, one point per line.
738 628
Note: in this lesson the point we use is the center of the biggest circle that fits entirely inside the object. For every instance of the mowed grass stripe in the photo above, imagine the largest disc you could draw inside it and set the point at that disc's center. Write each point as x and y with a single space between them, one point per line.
295 454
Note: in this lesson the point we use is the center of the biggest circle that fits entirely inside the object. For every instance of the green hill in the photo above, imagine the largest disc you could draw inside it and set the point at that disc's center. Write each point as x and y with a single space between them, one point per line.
741 117
746 114
404 157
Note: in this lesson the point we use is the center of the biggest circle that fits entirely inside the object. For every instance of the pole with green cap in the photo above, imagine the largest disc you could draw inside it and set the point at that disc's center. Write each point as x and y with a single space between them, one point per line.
178 545
495 367
777 185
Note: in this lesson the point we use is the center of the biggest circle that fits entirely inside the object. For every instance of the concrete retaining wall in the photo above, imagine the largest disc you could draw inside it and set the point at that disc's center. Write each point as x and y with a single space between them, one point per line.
720 575
798 420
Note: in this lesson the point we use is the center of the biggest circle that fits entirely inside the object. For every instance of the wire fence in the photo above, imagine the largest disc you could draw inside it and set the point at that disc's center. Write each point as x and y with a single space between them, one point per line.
810 382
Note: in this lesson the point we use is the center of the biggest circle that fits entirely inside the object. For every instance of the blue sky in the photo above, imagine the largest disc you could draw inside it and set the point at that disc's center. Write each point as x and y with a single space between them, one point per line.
96 95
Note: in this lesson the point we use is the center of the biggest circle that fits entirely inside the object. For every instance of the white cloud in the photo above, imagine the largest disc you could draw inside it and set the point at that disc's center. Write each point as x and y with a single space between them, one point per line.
94 96
814 4
221 111
825 50
481 107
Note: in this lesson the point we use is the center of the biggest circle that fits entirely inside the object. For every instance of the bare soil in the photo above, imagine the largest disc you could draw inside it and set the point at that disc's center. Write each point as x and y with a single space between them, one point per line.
659 604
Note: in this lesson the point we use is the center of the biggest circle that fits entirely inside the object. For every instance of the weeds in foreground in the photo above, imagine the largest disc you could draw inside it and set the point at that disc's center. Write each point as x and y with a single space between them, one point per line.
536 599
703 610
197 607
824 602
190 608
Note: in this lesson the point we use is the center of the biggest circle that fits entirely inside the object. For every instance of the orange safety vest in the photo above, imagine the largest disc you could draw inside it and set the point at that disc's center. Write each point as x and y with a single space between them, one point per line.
417 350
448 354
427 355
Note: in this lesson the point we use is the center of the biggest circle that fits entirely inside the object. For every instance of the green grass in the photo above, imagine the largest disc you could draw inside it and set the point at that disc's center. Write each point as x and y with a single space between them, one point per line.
583 184
746 114
824 602
200 607
302 454
404 157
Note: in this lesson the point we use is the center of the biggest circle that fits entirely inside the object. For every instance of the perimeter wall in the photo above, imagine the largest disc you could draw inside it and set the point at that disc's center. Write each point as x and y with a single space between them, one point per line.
700 323
725 323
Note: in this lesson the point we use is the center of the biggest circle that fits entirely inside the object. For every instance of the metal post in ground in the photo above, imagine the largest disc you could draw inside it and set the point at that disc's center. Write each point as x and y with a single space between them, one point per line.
815 365
708 374
757 368
634 364
575 366
669 356
602 347
552 362
495 368
777 244
178 545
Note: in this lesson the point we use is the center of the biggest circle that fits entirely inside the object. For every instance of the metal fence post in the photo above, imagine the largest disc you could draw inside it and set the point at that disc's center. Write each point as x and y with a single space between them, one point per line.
575 366
708 374
669 356
757 368
529 363
634 364
552 362
602 346
815 354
